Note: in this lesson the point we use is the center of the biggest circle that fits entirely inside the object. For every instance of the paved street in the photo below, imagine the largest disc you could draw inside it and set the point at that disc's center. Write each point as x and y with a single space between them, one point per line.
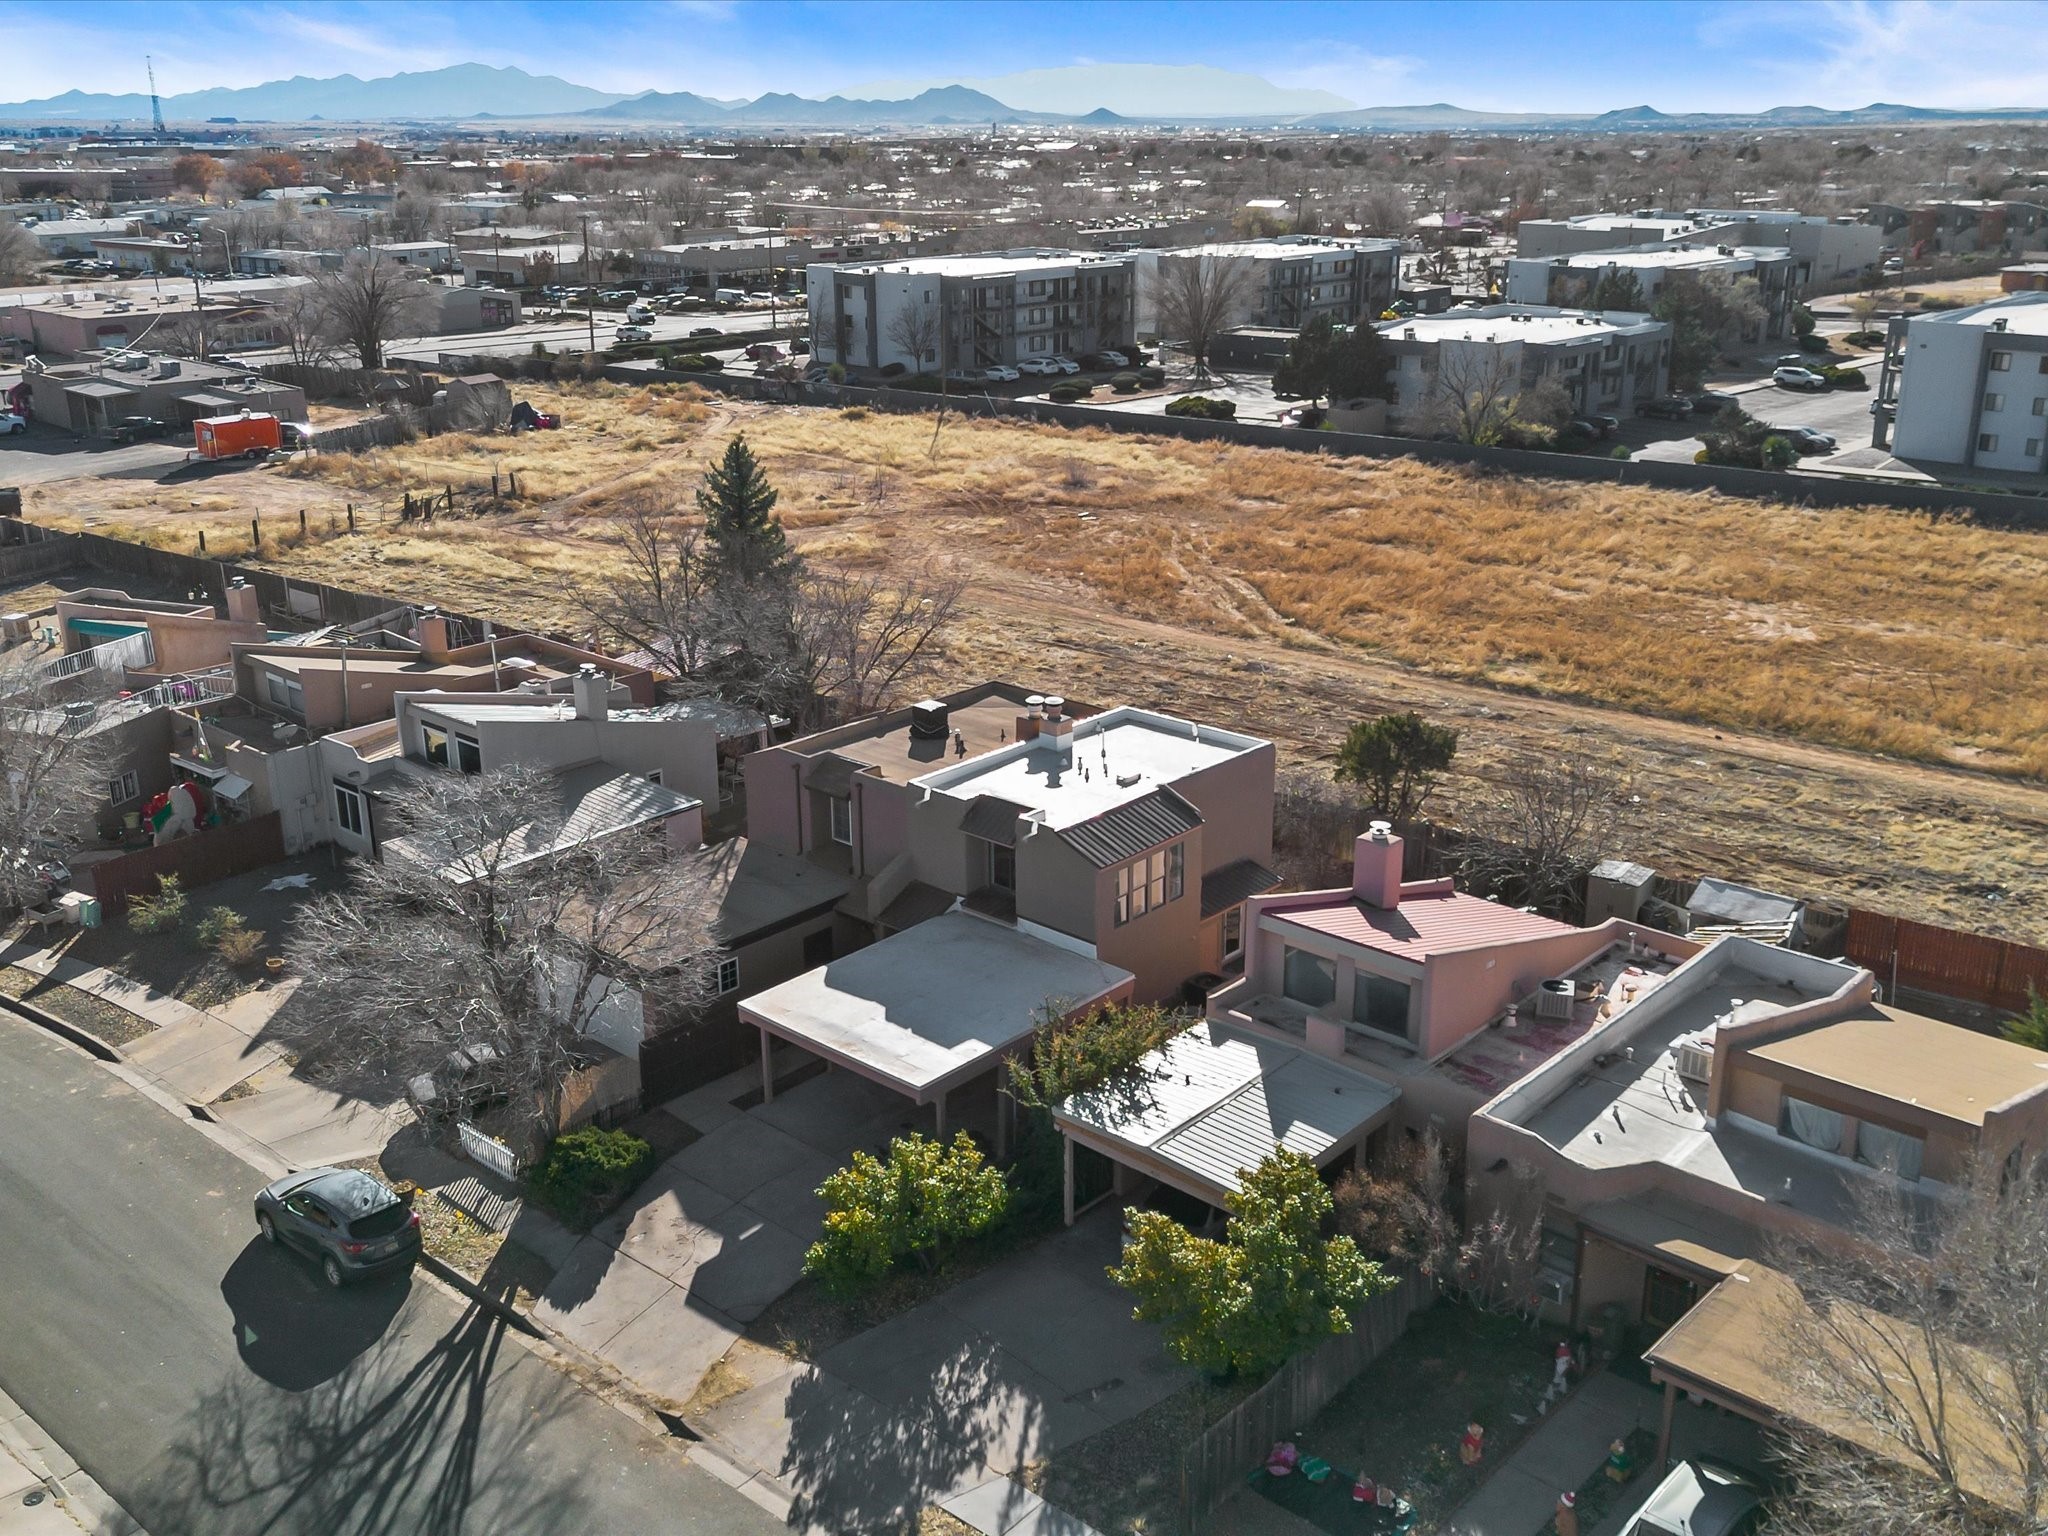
214 1387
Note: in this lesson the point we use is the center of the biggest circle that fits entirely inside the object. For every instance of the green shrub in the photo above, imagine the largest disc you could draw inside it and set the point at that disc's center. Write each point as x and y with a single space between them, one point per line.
855 413
836 372
1845 378
586 1172
697 362
1865 338
1124 383
1778 453
1063 394
160 913
1939 302
922 383
925 1201
1620 451
215 924
1702 457
1152 375
1203 408
1812 343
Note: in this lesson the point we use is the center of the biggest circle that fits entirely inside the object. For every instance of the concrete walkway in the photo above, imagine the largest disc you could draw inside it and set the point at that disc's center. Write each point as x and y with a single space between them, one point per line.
1571 1443
197 1055
43 1492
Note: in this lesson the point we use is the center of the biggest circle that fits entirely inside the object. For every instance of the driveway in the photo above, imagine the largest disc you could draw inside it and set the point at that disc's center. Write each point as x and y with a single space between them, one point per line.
665 1285
940 1403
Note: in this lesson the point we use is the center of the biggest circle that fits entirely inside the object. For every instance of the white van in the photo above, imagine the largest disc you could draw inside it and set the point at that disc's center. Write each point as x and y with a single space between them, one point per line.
729 296
639 314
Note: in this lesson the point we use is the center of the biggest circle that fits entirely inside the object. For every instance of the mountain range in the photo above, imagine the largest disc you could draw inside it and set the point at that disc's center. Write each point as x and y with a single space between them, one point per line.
477 91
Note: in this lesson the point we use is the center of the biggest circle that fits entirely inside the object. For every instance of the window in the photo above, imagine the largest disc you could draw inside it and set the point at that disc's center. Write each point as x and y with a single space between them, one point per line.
1380 1004
2033 447
1233 933
348 809
1306 978
1987 442
124 788
1156 883
1002 867
842 822
1993 401
728 975
1176 871
652 778
2044 363
1151 881
2041 405
1131 892
285 693
2001 362
469 757
435 741
1811 1125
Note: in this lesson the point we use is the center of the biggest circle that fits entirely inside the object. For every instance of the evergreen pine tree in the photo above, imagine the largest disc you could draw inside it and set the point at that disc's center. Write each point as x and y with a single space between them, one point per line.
738 505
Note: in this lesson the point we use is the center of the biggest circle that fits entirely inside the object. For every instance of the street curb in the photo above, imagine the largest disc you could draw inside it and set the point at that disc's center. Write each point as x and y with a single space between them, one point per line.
78 1492
84 1039
503 1310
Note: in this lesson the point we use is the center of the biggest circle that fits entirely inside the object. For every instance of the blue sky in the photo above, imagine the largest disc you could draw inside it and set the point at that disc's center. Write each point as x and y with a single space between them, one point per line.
1564 55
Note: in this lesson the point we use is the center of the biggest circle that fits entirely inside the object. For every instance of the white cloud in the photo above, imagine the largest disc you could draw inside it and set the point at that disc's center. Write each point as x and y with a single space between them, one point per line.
1366 79
1960 54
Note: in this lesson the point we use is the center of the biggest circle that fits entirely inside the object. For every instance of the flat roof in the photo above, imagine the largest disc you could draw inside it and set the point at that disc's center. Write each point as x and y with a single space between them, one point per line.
1117 757
1256 249
997 265
1743 1341
1668 256
933 1005
1215 1100
1520 322
1427 922
2024 314
984 717
1957 1073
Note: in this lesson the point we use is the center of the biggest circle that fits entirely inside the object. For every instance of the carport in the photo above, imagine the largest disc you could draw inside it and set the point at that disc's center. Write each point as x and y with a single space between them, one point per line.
1217 1100
933 1007
94 405
201 403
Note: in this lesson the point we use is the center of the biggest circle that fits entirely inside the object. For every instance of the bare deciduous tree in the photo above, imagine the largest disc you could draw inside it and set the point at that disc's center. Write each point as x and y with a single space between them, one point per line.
488 926
53 767
1540 826
916 329
1196 298
1921 1348
369 302
861 638
19 253
664 602
1477 395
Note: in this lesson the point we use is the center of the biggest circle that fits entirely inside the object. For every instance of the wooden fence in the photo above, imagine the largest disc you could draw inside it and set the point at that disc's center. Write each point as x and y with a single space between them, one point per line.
1216 1464
1973 966
199 860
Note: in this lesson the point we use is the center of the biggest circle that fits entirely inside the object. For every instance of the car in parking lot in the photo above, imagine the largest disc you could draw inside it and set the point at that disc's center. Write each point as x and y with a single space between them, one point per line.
1789 360
633 333
1807 439
1107 360
11 424
351 1225
1038 365
1666 407
1065 364
133 429
1596 426
1702 1498
1000 374
1798 378
706 330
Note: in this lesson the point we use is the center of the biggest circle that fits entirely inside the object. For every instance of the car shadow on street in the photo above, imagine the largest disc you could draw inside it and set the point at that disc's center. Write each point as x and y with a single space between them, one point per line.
294 1330
386 1444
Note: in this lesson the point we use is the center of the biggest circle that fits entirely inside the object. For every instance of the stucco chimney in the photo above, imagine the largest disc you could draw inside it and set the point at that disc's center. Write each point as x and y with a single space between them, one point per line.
1056 730
1028 723
242 601
1376 867
431 630
593 691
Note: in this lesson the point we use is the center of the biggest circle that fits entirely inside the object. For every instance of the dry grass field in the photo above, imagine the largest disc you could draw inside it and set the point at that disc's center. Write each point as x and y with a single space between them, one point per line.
1721 651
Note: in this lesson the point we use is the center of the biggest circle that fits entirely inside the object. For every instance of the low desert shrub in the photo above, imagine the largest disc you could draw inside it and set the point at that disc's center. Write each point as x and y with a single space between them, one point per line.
160 913
920 1205
1203 408
1124 383
586 1172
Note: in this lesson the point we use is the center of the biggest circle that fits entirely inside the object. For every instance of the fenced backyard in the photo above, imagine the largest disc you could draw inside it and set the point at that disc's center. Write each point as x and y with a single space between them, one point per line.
1999 973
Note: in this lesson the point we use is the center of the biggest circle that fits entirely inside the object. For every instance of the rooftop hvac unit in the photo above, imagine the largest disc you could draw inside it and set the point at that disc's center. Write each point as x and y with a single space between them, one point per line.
1555 997
1695 1057
928 720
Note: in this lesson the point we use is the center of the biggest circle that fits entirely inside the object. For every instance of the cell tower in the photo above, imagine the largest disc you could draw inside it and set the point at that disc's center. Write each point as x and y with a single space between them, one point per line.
156 107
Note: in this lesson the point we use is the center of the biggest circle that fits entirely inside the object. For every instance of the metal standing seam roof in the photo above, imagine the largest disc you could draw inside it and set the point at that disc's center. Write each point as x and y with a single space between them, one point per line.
1212 1102
1224 888
1424 924
993 819
1125 831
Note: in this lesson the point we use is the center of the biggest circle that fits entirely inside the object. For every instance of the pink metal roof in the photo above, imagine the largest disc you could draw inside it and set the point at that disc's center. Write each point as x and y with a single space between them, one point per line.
1424 925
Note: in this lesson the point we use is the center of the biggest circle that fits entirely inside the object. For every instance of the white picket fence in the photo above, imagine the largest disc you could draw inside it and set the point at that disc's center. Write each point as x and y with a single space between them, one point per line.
487 1150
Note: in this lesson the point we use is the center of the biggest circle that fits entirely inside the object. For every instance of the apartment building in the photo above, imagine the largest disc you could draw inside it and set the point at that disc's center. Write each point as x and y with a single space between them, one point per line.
1960 226
1284 282
1570 280
1968 387
1605 363
934 314
1823 249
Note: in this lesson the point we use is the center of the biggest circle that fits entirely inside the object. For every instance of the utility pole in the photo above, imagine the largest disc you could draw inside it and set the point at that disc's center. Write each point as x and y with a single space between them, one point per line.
589 287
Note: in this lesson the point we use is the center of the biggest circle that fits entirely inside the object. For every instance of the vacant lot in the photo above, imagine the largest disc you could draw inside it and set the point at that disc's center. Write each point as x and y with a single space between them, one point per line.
1713 649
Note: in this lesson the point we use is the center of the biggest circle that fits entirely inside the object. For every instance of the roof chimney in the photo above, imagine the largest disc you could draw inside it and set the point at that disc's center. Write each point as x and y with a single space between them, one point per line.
1056 730
593 692
1028 723
431 630
1376 867
242 602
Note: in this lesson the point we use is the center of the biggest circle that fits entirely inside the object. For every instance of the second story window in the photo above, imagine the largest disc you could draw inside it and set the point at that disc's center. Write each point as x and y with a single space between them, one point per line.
434 742
842 822
469 757
285 693
1308 979
1150 881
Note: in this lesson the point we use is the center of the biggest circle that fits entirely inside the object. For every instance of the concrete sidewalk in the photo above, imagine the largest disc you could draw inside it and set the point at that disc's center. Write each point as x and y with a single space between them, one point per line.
196 1055
43 1492
1566 1448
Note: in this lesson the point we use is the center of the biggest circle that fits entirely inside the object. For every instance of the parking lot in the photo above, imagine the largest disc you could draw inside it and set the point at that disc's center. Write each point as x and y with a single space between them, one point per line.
1844 413
43 454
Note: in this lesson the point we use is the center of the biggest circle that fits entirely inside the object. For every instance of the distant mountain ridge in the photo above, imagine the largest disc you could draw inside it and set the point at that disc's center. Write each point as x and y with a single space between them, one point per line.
477 91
